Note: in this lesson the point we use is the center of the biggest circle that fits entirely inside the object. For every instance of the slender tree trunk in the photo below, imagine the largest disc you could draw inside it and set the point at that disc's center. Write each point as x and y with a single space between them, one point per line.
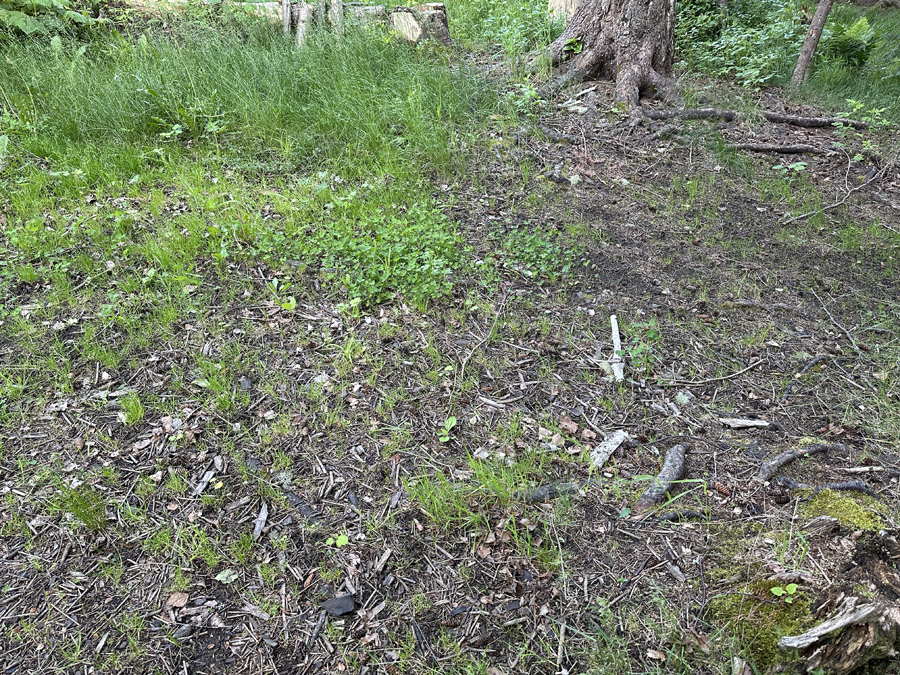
629 41
813 35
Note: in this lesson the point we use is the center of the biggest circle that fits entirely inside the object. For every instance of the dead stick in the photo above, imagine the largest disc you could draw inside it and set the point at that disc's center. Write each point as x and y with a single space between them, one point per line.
697 383
731 115
671 472
787 390
801 149
768 469
841 202
837 325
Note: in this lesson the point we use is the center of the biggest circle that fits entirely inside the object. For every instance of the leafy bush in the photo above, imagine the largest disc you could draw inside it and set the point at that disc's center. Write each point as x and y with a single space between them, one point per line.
758 41
516 26
39 17
848 41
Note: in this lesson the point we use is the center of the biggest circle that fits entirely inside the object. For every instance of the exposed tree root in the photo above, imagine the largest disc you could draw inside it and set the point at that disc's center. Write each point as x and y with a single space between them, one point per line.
768 469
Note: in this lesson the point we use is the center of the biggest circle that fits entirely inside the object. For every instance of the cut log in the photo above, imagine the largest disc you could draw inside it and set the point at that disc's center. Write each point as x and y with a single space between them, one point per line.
336 16
854 636
437 26
286 15
407 23
362 14
424 22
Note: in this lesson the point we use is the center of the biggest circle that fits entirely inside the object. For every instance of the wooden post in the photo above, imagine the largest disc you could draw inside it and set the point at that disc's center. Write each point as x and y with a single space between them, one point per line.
286 15
336 16
303 18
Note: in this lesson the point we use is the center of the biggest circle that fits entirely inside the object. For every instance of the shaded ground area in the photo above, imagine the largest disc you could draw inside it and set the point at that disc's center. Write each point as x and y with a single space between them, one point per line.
204 507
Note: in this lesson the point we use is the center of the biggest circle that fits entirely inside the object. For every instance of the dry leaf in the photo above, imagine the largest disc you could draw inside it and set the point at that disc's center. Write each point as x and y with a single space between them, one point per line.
177 600
588 435
568 426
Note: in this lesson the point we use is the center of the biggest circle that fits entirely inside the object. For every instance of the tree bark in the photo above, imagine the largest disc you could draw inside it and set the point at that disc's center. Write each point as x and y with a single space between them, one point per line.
629 41
813 35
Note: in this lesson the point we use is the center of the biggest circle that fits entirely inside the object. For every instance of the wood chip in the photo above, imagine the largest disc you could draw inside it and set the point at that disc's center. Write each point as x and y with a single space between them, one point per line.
260 522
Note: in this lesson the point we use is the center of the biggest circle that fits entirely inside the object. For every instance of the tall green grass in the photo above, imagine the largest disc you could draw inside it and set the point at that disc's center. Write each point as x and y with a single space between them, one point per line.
339 141
368 105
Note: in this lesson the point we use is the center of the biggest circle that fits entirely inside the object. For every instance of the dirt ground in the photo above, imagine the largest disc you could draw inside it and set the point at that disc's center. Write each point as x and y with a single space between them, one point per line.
349 489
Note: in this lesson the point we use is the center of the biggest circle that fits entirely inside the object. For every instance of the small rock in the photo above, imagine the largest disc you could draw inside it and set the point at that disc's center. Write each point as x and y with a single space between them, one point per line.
183 631
340 605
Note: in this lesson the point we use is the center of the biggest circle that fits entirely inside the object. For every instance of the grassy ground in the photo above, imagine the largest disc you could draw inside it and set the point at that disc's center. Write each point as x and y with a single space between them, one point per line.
279 325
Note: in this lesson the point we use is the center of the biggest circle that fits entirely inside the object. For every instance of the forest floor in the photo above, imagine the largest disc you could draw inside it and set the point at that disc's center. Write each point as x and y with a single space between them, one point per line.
304 484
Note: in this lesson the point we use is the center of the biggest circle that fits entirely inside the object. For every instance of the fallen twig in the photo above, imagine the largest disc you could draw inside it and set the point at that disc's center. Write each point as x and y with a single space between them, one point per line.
768 469
671 472
787 390
742 302
697 383
834 321
842 201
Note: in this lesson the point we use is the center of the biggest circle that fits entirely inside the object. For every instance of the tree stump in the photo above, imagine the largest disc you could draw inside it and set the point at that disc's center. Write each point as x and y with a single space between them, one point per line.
414 25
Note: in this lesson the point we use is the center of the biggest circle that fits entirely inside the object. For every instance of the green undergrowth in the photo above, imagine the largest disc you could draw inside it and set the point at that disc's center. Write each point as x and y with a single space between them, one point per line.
757 42
759 618
160 157
516 27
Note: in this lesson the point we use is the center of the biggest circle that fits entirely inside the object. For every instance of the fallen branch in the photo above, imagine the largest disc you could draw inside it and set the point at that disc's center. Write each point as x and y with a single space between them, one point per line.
552 490
854 636
683 514
787 390
731 115
800 149
742 302
665 130
697 383
833 321
671 472
768 469
853 485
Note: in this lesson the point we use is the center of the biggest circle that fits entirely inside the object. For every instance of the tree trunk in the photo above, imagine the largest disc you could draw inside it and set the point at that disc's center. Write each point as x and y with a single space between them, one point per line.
801 72
629 41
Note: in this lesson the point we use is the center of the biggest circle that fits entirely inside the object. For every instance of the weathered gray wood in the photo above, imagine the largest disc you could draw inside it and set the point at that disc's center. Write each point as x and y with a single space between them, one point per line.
855 635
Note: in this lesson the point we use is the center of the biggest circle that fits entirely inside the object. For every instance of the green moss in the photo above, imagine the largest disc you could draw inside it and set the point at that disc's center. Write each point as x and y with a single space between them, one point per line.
758 620
856 511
